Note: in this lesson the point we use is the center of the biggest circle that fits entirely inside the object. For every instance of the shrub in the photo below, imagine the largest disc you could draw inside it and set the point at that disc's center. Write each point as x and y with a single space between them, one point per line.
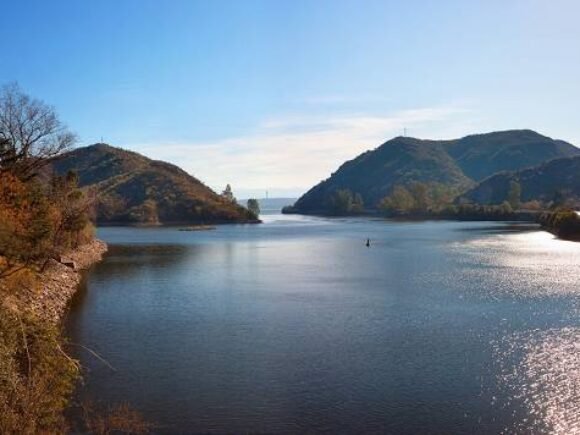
36 376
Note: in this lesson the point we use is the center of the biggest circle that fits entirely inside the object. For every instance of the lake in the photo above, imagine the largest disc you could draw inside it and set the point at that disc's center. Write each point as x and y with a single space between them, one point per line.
296 326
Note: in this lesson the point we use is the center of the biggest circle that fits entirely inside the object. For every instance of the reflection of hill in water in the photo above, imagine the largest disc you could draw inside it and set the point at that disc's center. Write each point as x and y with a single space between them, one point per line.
502 228
127 260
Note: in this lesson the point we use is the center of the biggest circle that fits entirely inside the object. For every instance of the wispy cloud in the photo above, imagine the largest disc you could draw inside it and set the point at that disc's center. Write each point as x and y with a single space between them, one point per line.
298 151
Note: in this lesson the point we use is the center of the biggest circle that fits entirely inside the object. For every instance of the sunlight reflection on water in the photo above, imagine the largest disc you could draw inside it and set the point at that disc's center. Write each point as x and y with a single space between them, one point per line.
530 264
539 369
546 380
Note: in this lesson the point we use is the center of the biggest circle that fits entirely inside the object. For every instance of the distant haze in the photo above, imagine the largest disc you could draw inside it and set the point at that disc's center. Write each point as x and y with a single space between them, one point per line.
272 205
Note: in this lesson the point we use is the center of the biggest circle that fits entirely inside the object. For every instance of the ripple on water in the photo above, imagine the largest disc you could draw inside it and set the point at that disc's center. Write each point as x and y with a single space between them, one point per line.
531 264
540 372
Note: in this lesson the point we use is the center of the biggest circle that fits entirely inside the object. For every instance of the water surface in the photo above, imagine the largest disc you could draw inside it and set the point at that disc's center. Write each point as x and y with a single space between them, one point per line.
295 325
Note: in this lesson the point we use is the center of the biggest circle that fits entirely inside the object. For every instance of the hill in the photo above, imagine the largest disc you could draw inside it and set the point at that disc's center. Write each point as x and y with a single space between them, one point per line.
548 182
458 164
132 189
401 160
482 155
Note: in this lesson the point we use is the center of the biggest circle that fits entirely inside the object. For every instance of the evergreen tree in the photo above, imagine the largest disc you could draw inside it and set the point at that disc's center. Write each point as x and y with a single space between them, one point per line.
228 194
254 206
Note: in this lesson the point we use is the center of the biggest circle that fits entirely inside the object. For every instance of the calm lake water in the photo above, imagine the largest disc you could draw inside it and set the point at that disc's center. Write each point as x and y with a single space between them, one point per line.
296 326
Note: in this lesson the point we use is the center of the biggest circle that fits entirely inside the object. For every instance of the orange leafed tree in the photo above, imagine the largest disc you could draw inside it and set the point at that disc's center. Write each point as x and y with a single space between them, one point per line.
24 224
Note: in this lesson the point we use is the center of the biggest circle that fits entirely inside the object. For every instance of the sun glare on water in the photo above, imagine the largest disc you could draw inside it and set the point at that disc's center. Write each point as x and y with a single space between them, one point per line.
529 264
546 379
539 368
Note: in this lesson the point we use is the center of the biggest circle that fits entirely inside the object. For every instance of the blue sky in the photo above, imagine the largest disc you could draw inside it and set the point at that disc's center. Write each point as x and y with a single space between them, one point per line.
275 95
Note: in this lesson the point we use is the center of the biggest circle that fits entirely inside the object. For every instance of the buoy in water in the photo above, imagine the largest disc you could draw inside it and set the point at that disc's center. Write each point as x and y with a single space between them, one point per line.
368 243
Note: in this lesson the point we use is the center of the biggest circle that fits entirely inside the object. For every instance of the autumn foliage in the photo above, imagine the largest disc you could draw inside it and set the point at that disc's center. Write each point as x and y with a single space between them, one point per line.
41 217
38 222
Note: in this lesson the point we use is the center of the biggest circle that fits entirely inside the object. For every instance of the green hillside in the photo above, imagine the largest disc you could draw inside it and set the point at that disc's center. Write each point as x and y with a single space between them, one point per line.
132 189
552 181
456 164
482 155
401 160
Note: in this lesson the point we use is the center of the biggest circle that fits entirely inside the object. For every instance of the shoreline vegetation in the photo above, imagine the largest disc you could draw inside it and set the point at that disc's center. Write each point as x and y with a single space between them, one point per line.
465 216
565 224
435 201
46 239
37 376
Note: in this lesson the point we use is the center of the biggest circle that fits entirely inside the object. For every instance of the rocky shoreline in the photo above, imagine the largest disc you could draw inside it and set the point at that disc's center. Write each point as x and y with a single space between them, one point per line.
60 281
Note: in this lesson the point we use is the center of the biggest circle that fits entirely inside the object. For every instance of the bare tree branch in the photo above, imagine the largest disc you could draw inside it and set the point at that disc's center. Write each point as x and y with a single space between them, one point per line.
31 135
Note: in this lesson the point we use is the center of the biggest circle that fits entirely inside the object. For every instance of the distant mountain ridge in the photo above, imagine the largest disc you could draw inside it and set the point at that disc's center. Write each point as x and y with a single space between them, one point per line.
459 164
482 155
133 189
550 181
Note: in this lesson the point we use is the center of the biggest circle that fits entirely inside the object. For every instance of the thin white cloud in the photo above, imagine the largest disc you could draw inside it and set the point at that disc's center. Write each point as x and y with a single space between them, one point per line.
298 152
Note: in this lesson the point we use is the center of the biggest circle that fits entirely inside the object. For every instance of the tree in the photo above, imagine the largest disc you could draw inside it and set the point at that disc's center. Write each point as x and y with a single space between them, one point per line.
25 224
38 223
228 194
399 201
254 206
441 196
70 215
31 135
420 193
514 195
505 208
358 204
341 201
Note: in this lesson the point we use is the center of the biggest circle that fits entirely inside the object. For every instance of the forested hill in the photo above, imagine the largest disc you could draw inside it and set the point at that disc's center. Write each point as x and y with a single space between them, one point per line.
457 165
132 189
552 181
401 160
482 155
